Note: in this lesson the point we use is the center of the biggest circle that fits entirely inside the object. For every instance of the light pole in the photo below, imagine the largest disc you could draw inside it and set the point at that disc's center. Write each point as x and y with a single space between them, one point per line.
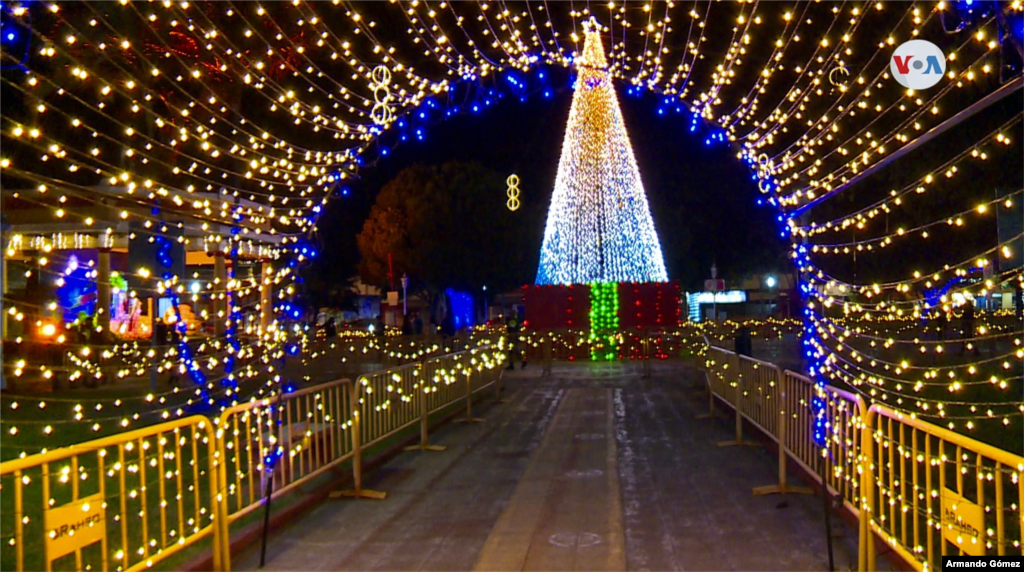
770 282
487 318
405 303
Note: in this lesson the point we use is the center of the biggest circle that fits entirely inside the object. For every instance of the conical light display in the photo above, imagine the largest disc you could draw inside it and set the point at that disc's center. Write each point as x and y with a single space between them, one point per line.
599 227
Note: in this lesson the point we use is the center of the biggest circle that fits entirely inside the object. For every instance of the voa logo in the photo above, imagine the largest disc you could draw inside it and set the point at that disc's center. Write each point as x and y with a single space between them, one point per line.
918 64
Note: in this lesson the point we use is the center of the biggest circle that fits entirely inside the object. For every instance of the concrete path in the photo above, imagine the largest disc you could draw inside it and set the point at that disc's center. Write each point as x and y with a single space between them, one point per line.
591 469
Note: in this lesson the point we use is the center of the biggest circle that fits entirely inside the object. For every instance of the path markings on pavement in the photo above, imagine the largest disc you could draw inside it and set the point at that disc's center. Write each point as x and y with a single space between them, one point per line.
566 512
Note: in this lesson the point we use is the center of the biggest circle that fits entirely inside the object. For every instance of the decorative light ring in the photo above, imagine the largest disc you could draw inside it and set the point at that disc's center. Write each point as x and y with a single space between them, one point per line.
843 71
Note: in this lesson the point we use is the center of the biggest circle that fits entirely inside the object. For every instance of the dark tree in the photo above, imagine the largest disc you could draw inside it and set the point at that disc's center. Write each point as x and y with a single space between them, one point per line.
446 226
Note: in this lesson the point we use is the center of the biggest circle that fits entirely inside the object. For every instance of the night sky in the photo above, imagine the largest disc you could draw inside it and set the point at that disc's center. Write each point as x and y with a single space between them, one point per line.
702 198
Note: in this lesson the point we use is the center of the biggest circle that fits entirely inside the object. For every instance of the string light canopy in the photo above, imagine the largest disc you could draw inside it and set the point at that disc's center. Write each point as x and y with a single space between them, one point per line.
599 226
229 125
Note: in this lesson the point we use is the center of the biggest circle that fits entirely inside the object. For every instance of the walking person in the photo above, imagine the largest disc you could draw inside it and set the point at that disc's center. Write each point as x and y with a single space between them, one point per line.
417 324
380 331
513 327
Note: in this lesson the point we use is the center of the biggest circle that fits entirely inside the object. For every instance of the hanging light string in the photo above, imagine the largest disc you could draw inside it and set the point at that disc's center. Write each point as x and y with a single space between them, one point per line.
201 103
882 241
278 93
918 187
924 108
814 74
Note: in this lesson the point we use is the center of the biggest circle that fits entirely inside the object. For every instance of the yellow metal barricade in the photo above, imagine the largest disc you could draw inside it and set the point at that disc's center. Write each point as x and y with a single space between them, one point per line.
486 369
124 502
444 382
760 398
309 429
723 375
387 402
930 492
780 404
843 414
451 377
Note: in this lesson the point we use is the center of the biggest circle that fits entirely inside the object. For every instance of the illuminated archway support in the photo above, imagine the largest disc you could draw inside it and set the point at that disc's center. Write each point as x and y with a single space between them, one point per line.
103 288
3 292
220 284
266 296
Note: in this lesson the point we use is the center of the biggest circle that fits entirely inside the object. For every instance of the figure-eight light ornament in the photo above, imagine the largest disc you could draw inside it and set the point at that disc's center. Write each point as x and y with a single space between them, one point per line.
513 192
599 227
381 84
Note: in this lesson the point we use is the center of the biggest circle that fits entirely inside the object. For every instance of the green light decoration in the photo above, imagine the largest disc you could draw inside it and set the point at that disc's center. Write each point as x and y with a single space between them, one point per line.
604 321
118 282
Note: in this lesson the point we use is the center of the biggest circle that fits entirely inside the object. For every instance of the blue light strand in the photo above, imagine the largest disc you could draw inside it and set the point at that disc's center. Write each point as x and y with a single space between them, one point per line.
184 350
234 316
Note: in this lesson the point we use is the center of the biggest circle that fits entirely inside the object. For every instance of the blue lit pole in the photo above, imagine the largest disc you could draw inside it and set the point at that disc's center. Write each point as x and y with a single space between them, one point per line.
4 230
269 464
154 305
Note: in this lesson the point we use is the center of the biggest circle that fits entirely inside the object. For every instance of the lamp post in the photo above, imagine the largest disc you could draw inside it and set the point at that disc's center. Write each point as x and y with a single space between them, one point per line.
405 303
770 282
487 318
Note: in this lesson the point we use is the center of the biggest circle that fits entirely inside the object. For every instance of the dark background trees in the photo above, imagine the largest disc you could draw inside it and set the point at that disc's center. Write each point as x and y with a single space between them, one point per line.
447 226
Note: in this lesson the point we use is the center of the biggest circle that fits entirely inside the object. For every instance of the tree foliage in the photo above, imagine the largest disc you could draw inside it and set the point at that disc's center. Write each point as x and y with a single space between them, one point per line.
447 226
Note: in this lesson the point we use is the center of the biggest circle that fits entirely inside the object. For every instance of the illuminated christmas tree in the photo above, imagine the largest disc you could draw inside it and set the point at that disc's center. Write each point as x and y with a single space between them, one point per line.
599 227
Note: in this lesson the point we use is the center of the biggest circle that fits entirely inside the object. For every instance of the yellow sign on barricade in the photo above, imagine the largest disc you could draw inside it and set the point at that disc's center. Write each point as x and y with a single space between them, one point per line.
962 523
74 526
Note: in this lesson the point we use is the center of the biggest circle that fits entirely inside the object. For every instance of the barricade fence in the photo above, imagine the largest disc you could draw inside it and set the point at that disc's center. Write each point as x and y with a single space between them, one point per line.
132 500
931 492
121 502
926 491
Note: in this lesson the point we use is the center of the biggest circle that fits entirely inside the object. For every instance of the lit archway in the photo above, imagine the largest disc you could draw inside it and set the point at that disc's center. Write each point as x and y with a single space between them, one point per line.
197 104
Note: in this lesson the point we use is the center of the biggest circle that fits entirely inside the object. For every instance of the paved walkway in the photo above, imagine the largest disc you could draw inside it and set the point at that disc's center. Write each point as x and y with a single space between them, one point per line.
594 468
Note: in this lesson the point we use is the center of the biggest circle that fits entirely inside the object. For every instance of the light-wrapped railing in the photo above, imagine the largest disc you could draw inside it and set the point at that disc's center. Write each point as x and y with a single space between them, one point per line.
387 402
927 491
780 404
305 433
722 368
761 395
302 434
930 492
124 501
842 416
